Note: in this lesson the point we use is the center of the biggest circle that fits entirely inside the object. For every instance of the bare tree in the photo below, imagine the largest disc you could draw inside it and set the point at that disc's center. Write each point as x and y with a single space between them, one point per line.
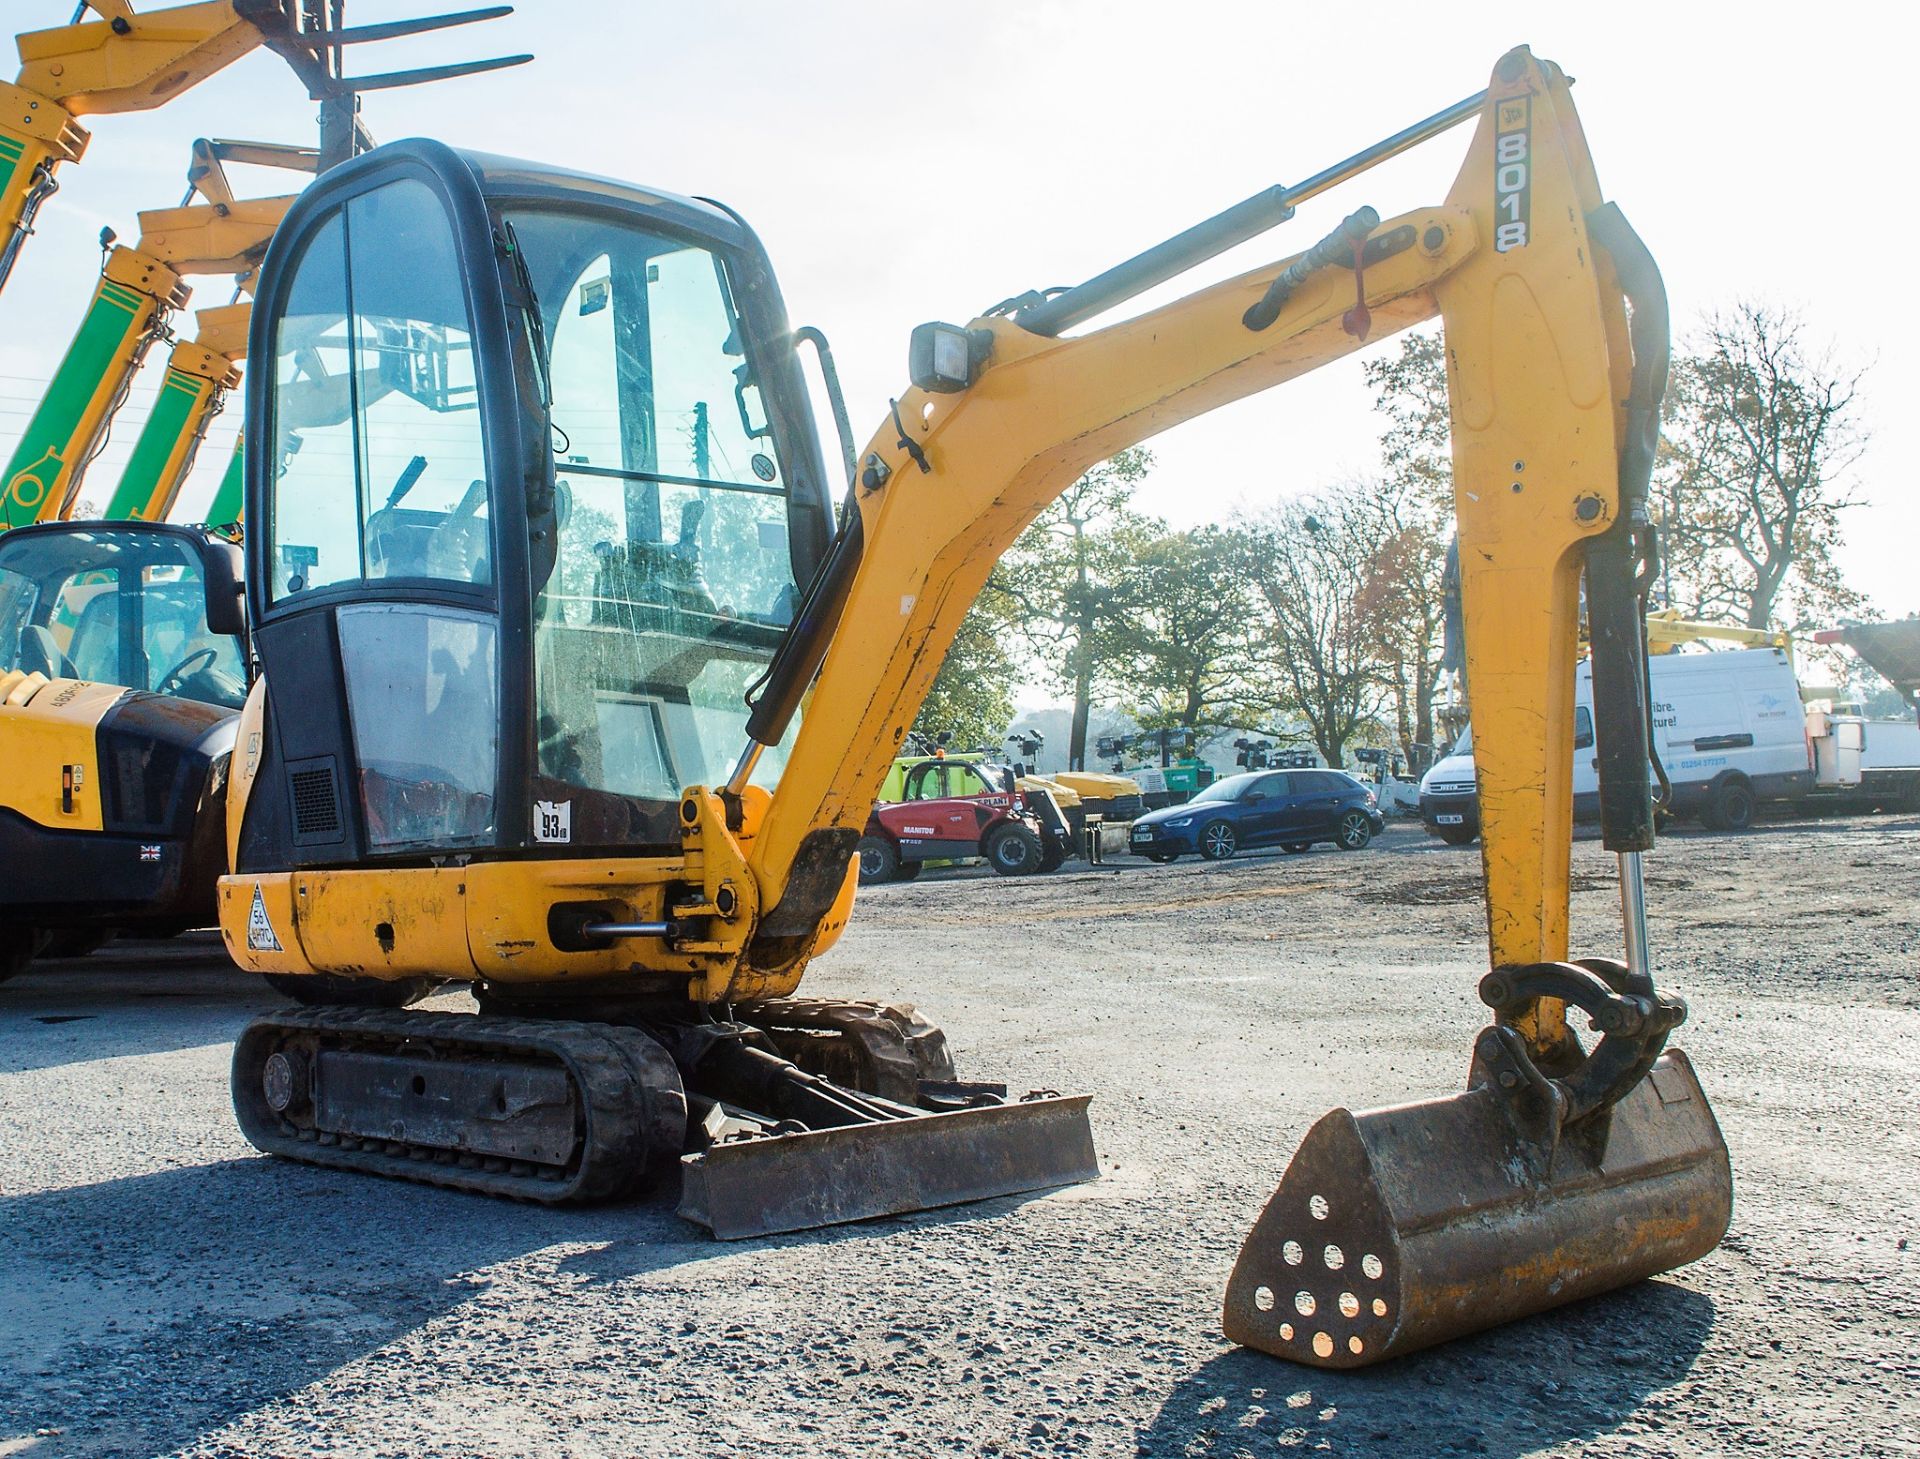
1318 568
1759 439
1414 509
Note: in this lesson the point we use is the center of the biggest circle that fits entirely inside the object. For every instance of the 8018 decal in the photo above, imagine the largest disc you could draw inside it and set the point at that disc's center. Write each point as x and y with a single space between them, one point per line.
1512 173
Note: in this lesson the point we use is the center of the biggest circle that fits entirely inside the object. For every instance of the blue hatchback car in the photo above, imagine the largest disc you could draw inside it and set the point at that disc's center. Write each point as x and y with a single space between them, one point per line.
1291 809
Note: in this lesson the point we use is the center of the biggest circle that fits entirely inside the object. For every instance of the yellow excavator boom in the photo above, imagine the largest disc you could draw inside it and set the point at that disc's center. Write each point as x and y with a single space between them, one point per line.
1536 466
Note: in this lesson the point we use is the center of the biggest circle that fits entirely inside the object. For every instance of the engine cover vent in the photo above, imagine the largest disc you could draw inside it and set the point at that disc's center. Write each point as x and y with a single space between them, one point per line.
313 789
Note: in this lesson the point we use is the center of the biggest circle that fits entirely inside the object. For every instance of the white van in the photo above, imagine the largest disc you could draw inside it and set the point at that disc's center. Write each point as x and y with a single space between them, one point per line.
1728 727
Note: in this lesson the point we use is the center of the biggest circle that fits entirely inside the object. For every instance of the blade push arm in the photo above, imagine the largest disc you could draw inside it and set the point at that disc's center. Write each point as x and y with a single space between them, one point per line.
1538 362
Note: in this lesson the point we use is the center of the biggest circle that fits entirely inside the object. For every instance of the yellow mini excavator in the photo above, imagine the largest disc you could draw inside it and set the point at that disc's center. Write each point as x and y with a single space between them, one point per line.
576 685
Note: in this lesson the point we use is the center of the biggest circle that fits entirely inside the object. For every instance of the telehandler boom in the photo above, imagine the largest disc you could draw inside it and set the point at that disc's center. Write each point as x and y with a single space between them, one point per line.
201 371
576 686
139 289
129 62
123 61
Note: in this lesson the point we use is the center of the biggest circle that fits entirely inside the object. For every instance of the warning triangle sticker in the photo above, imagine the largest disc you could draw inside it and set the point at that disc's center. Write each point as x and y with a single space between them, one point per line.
260 936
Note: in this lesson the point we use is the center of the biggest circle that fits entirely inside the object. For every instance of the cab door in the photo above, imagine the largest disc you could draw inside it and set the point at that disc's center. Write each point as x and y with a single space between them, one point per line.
1317 799
928 823
372 549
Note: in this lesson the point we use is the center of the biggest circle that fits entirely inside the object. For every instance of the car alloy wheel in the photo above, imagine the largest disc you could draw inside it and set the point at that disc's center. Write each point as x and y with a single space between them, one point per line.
1218 842
1354 831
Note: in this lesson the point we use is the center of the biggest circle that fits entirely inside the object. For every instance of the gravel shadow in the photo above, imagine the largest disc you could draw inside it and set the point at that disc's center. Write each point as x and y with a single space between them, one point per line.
139 1314
1560 1378
151 998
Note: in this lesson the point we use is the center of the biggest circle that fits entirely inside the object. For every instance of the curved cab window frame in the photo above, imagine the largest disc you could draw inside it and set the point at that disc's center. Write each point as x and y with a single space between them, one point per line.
438 540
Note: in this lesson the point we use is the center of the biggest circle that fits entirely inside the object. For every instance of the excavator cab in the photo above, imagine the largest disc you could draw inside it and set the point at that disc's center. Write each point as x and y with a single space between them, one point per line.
146 606
523 562
533 491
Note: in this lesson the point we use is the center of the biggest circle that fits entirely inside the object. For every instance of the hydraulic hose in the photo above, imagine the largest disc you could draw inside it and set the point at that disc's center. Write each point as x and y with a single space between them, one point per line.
1616 601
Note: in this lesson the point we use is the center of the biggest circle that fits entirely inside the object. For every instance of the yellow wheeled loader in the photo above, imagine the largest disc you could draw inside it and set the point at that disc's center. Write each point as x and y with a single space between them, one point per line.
577 685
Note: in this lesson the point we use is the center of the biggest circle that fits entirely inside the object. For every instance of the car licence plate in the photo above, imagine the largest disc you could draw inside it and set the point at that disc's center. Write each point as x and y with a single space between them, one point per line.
1450 819
1143 833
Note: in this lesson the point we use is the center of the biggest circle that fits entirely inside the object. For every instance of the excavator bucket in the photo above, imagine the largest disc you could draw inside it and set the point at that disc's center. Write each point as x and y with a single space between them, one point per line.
1398 1228
794 1182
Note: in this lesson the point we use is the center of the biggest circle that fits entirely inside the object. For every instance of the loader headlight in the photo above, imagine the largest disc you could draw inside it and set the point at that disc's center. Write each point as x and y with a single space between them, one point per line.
944 358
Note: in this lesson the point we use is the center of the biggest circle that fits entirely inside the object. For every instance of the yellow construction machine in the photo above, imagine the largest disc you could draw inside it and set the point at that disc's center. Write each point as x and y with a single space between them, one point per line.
122 670
577 685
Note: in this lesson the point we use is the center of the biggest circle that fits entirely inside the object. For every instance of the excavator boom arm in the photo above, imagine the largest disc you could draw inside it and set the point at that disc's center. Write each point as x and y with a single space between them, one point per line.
1538 364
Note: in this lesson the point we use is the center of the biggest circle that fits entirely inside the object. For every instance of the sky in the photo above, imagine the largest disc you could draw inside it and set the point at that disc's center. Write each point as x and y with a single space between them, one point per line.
911 162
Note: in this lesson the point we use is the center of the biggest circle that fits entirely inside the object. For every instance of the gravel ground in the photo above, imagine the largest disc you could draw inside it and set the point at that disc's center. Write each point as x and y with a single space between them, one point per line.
165 1290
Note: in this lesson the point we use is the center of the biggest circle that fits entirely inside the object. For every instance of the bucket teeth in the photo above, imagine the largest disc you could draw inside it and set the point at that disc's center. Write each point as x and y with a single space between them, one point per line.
1402 1227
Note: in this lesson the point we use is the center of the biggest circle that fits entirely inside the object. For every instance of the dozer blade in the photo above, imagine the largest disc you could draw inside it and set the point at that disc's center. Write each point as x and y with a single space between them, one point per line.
774 1183
1402 1227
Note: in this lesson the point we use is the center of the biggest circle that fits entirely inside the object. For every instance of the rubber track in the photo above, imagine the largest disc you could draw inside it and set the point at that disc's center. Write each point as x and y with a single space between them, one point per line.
626 1085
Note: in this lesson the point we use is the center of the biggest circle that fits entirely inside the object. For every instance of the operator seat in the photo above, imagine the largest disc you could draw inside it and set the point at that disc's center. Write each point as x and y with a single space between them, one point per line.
96 642
40 654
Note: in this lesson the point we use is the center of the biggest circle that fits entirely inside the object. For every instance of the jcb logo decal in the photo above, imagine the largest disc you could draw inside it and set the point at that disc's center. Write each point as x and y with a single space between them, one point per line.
1513 174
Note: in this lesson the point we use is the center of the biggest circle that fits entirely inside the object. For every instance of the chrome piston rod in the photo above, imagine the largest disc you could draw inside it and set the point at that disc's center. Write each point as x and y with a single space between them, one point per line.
1633 914
1213 236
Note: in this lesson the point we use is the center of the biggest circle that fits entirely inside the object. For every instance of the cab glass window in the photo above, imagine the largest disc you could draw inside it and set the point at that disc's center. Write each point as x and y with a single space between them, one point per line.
971 780
380 461
670 580
316 507
115 607
425 721
927 782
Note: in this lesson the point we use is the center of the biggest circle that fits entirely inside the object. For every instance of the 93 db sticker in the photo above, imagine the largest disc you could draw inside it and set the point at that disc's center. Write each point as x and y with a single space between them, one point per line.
1512 173
553 821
